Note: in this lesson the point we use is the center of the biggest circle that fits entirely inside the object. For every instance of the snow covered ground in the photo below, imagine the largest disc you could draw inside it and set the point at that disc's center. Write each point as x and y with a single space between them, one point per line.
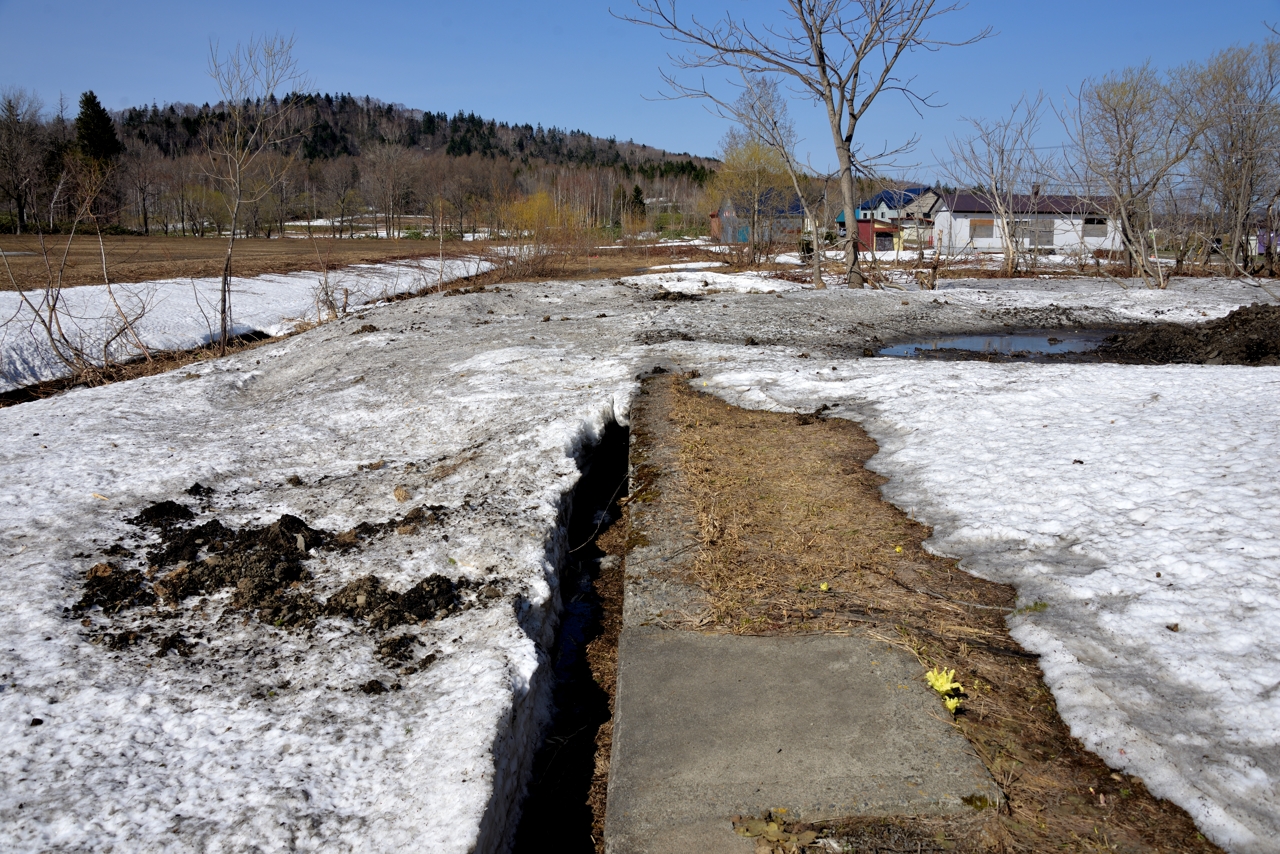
260 740
1140 505
478 405
180 314
707 282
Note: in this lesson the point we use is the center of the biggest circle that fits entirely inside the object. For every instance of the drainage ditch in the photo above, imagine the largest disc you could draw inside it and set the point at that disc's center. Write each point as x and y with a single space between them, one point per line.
556 806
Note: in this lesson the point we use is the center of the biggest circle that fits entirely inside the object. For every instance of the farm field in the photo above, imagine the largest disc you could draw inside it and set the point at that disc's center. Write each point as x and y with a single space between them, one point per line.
142 259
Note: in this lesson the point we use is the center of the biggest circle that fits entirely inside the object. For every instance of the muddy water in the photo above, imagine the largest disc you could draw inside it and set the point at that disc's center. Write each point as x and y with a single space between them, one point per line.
1027 344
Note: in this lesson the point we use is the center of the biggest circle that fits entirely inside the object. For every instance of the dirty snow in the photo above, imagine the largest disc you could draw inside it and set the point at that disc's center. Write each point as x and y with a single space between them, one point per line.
260 737
694 282
180 314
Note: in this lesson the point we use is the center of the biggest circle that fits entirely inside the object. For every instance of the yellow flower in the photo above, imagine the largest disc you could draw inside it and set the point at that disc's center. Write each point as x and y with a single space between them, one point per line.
952 704
898 549
824 587
943 681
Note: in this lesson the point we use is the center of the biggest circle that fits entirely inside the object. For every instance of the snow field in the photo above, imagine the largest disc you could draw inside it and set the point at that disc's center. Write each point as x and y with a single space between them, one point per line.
697 282
260 737
1157 554
181 314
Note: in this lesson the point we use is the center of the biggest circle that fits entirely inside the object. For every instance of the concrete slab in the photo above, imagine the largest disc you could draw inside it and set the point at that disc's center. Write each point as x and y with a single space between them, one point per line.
709 726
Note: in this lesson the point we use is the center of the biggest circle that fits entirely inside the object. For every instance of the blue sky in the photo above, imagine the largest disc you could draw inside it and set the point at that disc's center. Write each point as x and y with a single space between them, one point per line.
571 64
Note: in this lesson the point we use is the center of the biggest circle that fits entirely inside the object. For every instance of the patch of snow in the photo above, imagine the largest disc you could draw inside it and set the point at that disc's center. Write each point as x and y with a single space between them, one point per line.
709 282
181 314
1157 554
260 739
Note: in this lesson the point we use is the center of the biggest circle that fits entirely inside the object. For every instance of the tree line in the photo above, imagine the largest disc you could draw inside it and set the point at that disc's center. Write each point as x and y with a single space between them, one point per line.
346 162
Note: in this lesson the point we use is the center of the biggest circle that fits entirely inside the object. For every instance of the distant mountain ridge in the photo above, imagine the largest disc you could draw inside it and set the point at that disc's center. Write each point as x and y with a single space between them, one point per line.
342 124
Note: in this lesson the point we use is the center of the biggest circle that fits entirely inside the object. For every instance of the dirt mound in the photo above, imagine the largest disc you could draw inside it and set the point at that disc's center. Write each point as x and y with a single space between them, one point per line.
163 513
264 565
1246 336
662 336
265 568
113 589
675 296
367 599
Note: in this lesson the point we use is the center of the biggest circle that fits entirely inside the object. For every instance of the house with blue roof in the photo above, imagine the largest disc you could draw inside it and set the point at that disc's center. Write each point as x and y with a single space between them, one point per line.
898 219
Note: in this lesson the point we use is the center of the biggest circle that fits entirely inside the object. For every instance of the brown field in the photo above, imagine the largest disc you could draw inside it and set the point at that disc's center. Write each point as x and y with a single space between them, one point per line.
142 259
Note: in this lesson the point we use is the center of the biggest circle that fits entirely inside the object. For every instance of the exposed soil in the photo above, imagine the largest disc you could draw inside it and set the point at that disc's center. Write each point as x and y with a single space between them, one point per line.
266 569
795 538
1246 336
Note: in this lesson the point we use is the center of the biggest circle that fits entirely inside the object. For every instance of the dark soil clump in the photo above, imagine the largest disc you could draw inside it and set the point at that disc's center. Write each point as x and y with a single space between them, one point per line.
113 589
1246 336
162 514
675 296
264 566
434 597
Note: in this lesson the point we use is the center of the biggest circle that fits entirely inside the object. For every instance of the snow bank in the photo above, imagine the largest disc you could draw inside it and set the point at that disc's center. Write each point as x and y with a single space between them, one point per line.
181 314
261 740
690 282
1140 504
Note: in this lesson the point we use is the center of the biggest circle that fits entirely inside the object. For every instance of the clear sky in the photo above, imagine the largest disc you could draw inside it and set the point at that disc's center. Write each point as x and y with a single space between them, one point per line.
571 64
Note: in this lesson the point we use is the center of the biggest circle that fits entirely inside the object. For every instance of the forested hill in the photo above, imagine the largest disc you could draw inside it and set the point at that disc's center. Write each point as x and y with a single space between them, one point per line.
337 125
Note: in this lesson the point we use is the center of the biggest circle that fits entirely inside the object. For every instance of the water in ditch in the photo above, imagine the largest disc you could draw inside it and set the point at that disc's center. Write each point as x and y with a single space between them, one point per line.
555 814
1027 344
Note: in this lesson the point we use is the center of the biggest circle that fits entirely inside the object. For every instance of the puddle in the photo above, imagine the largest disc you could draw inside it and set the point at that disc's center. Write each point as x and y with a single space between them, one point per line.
556 806
1024 344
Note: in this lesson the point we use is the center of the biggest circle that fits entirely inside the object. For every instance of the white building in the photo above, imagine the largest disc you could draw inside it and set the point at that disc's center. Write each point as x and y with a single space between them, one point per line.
1060 225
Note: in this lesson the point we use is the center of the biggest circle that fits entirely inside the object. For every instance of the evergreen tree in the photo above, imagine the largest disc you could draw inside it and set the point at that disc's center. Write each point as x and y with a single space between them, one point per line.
637 201
95 132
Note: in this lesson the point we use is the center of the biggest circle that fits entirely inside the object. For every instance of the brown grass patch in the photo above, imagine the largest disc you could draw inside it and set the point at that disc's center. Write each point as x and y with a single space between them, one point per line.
145 259
785 505
602 656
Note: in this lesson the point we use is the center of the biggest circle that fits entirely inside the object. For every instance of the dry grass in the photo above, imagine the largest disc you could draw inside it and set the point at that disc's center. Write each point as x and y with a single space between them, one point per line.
144 259
785 505
602 656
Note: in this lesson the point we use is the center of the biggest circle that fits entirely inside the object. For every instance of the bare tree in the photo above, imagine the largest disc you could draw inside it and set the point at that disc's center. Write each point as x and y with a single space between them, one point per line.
256 122
762 111
21 151
1237 155
998 161
142 174
1129 131
387 177
841 54
753 178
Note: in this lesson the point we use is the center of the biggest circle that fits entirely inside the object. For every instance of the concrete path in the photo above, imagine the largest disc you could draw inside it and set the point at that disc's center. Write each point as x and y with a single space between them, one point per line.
711 726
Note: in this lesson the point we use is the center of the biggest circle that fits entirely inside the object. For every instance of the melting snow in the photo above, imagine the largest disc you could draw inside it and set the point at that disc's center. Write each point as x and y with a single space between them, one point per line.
260 738
181 314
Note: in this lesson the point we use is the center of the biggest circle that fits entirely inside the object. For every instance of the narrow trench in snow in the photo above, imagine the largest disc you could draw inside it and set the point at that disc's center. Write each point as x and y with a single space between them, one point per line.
556 807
